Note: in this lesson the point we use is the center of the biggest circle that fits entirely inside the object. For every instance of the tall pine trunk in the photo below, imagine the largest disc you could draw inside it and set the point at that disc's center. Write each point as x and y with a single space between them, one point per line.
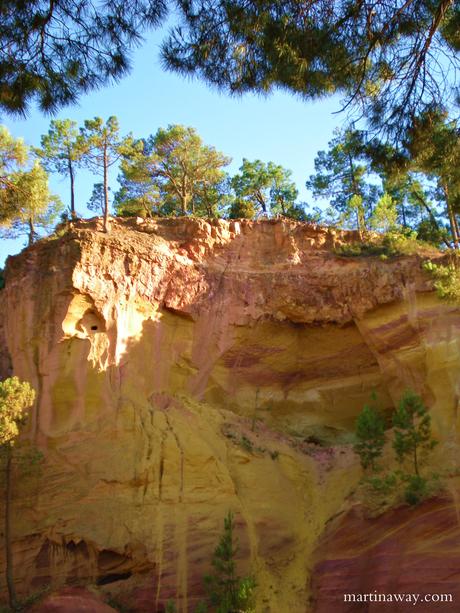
452 220
31 231
106 191
9 555
184 203
73 214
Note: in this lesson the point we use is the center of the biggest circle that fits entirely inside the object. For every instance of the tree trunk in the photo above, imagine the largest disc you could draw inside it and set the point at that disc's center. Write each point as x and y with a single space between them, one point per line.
9 557
73 214
431 215
184 203
262 202
456 224
451 214
106 191
31 231
403 209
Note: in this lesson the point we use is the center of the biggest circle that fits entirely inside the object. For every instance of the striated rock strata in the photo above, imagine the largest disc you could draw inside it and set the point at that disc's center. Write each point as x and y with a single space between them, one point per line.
187 367
406 551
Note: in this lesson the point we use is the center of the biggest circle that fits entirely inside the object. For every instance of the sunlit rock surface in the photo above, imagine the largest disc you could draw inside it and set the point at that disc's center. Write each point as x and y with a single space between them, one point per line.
185 368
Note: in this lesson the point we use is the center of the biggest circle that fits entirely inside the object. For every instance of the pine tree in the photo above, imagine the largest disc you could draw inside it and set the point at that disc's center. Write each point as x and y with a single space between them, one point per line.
434 146
15 398
412 431
61 151
104 147
228 593
175 167
370 432
267 187
384 216
13 157
342 175
32 204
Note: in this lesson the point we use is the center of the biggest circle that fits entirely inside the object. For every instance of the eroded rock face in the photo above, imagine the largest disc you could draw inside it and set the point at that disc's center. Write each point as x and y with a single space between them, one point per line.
72 600
405 552
185 368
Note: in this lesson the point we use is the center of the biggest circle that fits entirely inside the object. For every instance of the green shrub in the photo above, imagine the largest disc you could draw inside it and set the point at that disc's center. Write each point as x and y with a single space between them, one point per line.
412 441
390 244
447 279
416 489
246 444
383 485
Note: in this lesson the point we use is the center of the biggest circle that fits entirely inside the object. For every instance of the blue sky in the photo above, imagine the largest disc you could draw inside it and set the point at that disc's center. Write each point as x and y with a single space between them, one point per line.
280 128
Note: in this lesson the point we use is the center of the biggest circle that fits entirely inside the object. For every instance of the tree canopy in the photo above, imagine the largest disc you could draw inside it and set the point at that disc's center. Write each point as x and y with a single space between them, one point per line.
176 165
102 148
54 51
25 199
33 204
13 156
371 184
62 149
342 176
15 397
264 187
389 59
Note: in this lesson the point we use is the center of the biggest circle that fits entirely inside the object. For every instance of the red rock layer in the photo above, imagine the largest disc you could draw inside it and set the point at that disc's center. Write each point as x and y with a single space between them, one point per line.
406 551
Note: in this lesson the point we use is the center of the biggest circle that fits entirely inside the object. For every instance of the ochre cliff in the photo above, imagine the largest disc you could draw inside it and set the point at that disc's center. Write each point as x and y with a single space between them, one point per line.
185 368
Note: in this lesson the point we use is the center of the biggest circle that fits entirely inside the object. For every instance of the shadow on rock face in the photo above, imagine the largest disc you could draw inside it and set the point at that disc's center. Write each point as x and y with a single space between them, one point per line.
72 600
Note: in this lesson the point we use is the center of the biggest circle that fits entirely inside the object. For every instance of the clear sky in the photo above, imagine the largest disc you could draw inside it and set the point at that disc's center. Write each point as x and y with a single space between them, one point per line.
279 128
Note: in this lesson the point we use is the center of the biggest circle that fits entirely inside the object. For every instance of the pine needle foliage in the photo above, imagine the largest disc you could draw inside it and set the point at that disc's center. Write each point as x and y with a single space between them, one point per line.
370 434
412 431
227 592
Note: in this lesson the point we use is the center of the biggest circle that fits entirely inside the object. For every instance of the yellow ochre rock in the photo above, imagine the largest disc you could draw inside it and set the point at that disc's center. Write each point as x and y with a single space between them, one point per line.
188 367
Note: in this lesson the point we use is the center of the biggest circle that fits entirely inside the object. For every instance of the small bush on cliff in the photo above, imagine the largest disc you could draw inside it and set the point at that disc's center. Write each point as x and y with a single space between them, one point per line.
370 434
412 441
447 279
227 592
2 278
391 244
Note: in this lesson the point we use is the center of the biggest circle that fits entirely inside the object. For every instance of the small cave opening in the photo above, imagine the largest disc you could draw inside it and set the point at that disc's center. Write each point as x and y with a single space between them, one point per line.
91 322
112 566
112 577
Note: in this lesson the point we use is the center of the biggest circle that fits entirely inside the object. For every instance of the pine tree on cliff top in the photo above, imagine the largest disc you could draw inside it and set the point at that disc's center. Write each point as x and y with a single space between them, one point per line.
62 149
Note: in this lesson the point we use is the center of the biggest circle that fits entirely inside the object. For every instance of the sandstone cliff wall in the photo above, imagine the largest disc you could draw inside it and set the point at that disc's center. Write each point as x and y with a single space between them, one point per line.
185 368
